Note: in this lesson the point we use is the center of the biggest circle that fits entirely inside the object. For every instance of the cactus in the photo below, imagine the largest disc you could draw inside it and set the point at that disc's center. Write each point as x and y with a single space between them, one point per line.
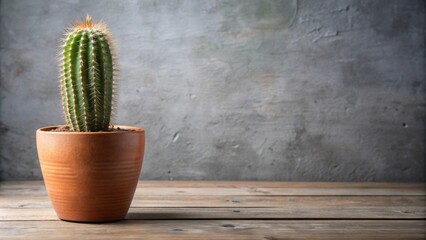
87 78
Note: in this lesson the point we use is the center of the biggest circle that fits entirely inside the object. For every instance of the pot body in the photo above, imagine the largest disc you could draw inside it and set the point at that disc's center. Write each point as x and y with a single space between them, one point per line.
91 176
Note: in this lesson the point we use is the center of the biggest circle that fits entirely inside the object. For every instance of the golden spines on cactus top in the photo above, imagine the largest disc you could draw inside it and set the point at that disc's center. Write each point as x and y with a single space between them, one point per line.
87 79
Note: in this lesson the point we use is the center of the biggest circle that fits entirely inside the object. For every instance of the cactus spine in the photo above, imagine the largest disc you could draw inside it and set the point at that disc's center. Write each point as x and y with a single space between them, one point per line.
87 78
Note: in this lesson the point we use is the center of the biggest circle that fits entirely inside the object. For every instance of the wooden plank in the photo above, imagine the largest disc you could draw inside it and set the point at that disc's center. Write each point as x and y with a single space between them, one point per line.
408 212
231 188
236 184
248 191
284 191
215 229
239 201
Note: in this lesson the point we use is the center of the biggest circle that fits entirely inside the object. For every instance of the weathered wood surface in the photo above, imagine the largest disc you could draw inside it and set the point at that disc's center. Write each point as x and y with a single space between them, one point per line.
242 188
231 210
215 229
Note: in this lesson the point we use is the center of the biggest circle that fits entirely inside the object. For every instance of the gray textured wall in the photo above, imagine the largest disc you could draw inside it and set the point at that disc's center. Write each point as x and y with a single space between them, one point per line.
241 90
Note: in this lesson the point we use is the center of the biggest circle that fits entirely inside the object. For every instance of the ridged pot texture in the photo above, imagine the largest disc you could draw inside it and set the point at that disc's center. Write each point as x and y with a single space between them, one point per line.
91 176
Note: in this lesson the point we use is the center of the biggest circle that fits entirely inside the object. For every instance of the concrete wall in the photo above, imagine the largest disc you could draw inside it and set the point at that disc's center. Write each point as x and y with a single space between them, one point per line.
236 90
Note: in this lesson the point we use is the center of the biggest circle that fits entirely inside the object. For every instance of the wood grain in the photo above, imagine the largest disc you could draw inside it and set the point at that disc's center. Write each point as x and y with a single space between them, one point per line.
305 212
192 201
145 188
231 210
215 229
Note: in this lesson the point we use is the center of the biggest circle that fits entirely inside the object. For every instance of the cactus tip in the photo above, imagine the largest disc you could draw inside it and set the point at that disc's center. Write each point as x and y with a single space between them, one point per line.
86 24
88 20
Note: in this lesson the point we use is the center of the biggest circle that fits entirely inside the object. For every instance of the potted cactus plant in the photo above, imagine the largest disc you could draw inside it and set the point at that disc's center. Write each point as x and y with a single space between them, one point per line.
90 167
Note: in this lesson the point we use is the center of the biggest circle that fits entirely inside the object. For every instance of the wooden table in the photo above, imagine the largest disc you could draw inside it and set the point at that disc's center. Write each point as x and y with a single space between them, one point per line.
231 210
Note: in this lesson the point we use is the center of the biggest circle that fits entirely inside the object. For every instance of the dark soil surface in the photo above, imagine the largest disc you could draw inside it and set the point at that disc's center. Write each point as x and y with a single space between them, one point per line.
111 129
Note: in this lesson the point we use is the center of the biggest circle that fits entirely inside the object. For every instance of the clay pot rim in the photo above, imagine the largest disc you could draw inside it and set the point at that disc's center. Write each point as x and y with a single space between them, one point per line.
47 130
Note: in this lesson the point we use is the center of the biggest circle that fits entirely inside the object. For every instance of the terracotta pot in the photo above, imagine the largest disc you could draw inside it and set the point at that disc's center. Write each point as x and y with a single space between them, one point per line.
91 176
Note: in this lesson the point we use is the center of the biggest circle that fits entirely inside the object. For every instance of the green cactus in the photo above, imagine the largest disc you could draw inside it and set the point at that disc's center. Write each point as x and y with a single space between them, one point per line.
87 78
